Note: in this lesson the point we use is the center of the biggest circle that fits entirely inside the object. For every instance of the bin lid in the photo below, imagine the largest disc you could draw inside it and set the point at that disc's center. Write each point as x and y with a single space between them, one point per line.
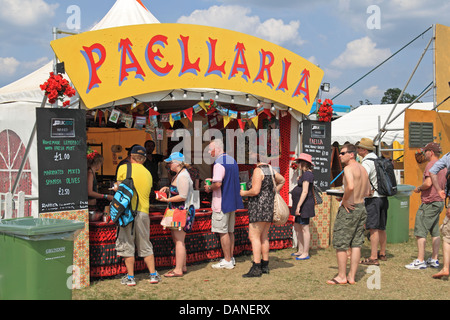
404 189
38 226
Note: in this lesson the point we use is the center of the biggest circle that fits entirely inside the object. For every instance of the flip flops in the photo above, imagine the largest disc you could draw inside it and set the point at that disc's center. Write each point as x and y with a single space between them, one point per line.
335 282
370 262
172 274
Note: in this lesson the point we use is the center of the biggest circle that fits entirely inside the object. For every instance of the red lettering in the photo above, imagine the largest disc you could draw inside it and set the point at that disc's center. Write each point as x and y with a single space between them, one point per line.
305 88
152 56
93 66
187 66
265 67
213 67
283 83
125 47
242 67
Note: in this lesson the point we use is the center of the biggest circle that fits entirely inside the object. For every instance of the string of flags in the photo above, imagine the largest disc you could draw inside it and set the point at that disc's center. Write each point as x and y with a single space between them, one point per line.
135 115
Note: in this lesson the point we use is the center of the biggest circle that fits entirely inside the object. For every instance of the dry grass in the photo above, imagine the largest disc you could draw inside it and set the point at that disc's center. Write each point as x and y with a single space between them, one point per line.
288 280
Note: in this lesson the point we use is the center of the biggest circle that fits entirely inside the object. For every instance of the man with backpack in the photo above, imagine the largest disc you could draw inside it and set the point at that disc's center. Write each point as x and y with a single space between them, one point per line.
443 163
376 205
136 235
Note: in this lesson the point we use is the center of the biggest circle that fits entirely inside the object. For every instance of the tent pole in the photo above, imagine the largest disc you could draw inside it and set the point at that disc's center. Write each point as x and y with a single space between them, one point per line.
27 151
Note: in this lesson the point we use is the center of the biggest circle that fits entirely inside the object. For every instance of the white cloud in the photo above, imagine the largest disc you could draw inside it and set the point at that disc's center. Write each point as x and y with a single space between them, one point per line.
26 12
373 92
361 53
238 18
8 66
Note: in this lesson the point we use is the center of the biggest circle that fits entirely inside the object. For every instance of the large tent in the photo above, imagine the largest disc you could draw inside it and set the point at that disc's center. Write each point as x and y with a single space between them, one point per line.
366 121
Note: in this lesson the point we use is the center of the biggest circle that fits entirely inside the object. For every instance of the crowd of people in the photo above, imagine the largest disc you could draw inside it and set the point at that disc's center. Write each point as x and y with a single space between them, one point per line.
361 208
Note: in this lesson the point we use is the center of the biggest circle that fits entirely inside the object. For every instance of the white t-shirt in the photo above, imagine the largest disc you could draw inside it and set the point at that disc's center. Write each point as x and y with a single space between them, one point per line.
369 165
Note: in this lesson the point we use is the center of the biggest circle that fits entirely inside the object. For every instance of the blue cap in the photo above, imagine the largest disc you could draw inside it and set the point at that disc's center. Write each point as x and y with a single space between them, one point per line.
176 156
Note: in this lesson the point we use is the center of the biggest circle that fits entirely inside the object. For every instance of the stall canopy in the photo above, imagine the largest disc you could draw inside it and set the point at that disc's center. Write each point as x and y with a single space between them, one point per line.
366 120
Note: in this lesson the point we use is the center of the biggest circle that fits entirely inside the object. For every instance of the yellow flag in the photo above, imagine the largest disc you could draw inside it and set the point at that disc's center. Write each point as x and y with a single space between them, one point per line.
171 120
203 105
226 120
255 121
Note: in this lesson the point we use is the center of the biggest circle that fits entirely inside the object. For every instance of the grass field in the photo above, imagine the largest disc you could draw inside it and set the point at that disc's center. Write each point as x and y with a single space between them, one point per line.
288 280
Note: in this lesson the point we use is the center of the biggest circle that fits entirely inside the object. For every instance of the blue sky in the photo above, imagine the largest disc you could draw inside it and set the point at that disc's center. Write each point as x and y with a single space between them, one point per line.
346 38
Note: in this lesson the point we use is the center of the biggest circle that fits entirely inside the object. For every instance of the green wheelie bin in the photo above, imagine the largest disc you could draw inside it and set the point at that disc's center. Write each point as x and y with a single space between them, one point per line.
36 258
397 226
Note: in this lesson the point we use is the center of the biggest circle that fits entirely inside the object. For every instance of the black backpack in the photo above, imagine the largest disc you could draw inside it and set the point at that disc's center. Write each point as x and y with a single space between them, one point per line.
387 184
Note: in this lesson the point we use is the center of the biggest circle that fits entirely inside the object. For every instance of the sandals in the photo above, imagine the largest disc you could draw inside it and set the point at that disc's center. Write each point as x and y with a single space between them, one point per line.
370 262
172 274
381 257
335 282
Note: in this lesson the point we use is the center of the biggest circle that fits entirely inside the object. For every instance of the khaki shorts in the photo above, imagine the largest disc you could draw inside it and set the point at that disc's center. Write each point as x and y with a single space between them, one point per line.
348 230
127 242
445 230
427 219
222 222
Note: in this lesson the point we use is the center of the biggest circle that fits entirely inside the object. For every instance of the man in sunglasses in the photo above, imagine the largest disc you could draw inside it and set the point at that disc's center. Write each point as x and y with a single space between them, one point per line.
348 231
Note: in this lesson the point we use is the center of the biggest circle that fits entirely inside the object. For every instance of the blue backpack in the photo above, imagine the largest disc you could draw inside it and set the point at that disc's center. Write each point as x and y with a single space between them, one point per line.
120 209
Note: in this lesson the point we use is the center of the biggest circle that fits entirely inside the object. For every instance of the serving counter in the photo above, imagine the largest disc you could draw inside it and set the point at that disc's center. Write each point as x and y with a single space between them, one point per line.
201 244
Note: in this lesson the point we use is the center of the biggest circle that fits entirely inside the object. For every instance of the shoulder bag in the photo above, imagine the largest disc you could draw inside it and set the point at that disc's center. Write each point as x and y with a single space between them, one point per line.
280 208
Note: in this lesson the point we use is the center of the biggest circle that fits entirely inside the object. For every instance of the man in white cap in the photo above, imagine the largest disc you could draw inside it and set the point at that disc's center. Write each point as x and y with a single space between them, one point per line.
376 205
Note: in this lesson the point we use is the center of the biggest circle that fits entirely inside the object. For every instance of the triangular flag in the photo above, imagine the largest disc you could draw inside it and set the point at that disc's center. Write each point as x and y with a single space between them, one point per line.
269 114
226 120
255 121
185 122
171 120
202 104
241 124
152 112
211 111
188 113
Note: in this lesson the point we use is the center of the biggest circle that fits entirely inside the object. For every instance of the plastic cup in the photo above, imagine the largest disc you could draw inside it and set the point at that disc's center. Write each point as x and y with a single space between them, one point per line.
208 182
243 186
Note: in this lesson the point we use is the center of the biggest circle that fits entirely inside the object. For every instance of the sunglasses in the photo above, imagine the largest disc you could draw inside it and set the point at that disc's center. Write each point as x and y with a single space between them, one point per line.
343 153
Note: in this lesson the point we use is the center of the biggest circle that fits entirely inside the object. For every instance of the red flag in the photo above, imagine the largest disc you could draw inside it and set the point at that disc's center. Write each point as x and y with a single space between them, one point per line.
241 124
188 113
152 112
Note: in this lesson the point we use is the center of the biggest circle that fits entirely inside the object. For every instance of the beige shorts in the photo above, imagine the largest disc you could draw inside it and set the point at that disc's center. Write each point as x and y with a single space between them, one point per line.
222 222
445 230
128 242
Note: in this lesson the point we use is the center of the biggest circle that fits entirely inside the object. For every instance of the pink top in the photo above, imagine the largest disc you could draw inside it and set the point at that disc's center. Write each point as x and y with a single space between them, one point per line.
218 175
431 195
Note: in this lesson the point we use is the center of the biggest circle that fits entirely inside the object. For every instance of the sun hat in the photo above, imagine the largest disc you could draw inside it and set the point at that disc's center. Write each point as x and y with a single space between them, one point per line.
176 156
305 157
433 146
140 150
365 143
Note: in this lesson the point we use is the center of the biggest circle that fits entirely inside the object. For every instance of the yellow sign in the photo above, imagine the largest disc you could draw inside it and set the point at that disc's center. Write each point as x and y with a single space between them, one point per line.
442 58
116 63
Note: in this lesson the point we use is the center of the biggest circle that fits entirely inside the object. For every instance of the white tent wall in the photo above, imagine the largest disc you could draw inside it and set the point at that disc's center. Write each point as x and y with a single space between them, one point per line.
12 118
366 120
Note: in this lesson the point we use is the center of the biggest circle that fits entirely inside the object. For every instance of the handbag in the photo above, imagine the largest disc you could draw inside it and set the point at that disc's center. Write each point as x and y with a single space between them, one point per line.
317 192
174 219
280 208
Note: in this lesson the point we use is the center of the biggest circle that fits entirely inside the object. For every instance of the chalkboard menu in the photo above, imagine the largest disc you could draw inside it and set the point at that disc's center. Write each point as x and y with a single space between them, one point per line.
316 138
62 168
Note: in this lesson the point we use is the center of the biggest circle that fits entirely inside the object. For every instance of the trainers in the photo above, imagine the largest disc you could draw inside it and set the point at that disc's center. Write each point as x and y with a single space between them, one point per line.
233 260
416 265
129 281
434 263
223 264
155 278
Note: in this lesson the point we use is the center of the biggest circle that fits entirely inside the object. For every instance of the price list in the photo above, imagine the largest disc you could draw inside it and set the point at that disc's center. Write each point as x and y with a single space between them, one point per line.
316 137
62 169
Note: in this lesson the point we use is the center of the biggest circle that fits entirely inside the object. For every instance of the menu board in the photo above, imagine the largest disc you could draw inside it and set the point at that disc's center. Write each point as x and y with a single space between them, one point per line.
316 138
62 168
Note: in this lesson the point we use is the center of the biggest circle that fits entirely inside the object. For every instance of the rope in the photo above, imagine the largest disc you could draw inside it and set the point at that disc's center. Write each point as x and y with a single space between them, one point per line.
381 63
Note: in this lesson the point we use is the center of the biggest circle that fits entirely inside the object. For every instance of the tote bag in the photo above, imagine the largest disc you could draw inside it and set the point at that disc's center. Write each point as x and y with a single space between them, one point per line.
280 208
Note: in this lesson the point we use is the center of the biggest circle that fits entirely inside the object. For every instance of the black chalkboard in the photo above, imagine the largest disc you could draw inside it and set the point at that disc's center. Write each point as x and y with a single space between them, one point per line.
62 168
316 138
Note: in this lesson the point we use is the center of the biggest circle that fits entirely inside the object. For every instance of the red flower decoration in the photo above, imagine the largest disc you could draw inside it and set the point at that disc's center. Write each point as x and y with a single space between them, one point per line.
56 88
325 111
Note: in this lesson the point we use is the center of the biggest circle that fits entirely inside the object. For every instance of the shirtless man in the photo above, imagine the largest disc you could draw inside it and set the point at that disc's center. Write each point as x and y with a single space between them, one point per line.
348 229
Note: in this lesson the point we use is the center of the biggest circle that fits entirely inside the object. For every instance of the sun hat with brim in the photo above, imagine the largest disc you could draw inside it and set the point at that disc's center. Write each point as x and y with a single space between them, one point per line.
365 143
305 157
140 150
176 156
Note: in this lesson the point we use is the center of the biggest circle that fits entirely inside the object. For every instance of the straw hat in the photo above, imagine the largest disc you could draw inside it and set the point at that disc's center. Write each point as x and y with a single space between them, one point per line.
366 143
305 157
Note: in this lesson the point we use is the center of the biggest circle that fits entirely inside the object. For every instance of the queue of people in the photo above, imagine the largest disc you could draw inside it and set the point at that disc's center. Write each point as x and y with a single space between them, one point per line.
361 209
